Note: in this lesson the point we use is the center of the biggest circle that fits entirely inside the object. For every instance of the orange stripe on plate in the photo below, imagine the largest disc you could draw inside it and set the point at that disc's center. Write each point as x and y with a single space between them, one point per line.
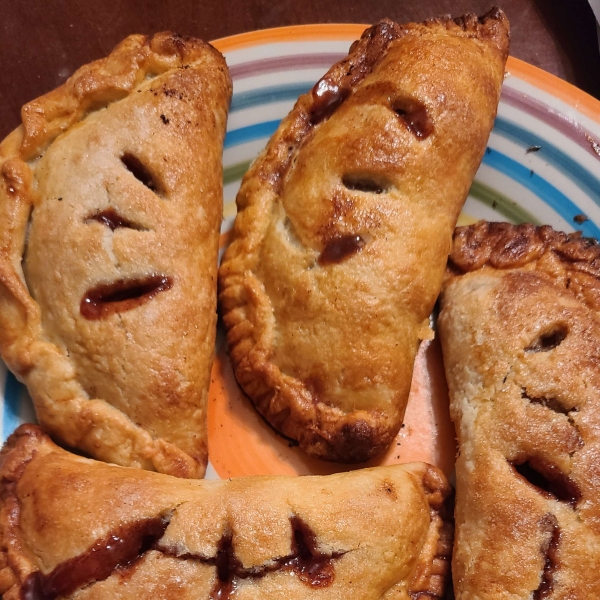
293 33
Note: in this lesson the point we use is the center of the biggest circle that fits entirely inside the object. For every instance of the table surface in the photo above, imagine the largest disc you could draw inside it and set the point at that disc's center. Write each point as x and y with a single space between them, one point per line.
42 43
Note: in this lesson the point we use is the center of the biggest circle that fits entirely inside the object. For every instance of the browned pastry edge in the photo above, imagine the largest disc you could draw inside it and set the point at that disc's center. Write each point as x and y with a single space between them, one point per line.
22 342
21 577
326 432
572 260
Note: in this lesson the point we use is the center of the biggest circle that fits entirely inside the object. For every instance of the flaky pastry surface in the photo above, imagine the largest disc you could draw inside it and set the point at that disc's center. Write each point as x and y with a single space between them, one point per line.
344 225
75 528
110 210
520 332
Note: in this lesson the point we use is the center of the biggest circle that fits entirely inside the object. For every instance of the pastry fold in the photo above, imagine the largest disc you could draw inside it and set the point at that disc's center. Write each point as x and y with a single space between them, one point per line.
110 210
344 225
78 529
520 332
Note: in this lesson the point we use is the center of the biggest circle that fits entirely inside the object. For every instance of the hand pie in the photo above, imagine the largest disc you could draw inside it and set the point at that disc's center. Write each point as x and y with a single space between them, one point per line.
344 226
110 208
75 528
520 331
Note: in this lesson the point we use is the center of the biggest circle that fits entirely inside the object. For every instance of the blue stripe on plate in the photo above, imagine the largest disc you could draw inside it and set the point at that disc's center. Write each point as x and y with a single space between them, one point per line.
250 133
561 161
560 203
540 187
12 404
270 94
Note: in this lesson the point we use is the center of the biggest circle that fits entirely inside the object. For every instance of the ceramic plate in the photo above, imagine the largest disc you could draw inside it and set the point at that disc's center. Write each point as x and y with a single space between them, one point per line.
542 165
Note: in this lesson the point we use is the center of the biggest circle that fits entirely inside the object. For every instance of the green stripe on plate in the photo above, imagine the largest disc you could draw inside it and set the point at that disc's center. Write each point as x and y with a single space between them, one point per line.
235 172
502 204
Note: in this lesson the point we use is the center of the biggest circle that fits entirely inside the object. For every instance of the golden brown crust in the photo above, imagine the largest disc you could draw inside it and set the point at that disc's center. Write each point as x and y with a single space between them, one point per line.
344 225
370 534
520 333
110 205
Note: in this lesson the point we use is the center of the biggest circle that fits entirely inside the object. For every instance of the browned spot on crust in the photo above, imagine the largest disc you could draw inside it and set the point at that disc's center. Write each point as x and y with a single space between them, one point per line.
389 489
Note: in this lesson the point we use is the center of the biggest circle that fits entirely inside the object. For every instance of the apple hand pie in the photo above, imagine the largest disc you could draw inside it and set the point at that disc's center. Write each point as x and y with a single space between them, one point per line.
110 209
75 528
344 226
520 331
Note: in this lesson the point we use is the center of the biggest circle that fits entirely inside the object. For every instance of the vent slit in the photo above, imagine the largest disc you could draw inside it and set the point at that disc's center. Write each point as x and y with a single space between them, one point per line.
113 220
415 117
548 480
549 340
365 183
135 166
122 295
549 550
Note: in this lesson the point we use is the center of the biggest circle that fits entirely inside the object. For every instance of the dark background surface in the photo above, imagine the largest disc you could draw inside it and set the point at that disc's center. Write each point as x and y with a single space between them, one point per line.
43 41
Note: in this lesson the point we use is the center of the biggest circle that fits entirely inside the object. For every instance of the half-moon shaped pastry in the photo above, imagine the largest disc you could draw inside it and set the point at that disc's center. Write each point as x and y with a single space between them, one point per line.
520 331
344 226
110 209
78 529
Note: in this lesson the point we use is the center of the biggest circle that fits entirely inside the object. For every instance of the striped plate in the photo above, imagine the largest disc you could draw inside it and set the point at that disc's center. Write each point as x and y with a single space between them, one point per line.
542 165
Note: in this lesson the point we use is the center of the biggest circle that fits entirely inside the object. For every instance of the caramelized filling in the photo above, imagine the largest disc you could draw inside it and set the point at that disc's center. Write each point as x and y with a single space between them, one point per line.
327 96
549 550
340 248
310 566
119 549
122 295
129 542
113 220
135 166
548 341
415 117
549 480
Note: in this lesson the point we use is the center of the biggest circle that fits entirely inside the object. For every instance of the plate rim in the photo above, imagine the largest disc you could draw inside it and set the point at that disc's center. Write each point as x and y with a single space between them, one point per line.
569 93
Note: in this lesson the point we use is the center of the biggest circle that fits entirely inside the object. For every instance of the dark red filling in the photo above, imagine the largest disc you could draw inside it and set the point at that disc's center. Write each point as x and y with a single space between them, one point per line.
340 248
122 295
119 549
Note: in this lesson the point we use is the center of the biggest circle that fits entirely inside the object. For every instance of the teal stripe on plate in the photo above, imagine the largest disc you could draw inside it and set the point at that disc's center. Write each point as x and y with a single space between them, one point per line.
268 95
250 133
12 405
553 155
553 197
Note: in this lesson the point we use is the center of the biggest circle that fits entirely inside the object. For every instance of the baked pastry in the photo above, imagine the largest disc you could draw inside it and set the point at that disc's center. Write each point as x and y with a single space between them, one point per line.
110 209
344 226
75 528
520 331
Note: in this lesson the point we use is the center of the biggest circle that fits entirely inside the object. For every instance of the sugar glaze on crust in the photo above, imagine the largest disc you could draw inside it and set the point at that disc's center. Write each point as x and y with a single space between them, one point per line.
79 529
110 207
520 332
344 225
